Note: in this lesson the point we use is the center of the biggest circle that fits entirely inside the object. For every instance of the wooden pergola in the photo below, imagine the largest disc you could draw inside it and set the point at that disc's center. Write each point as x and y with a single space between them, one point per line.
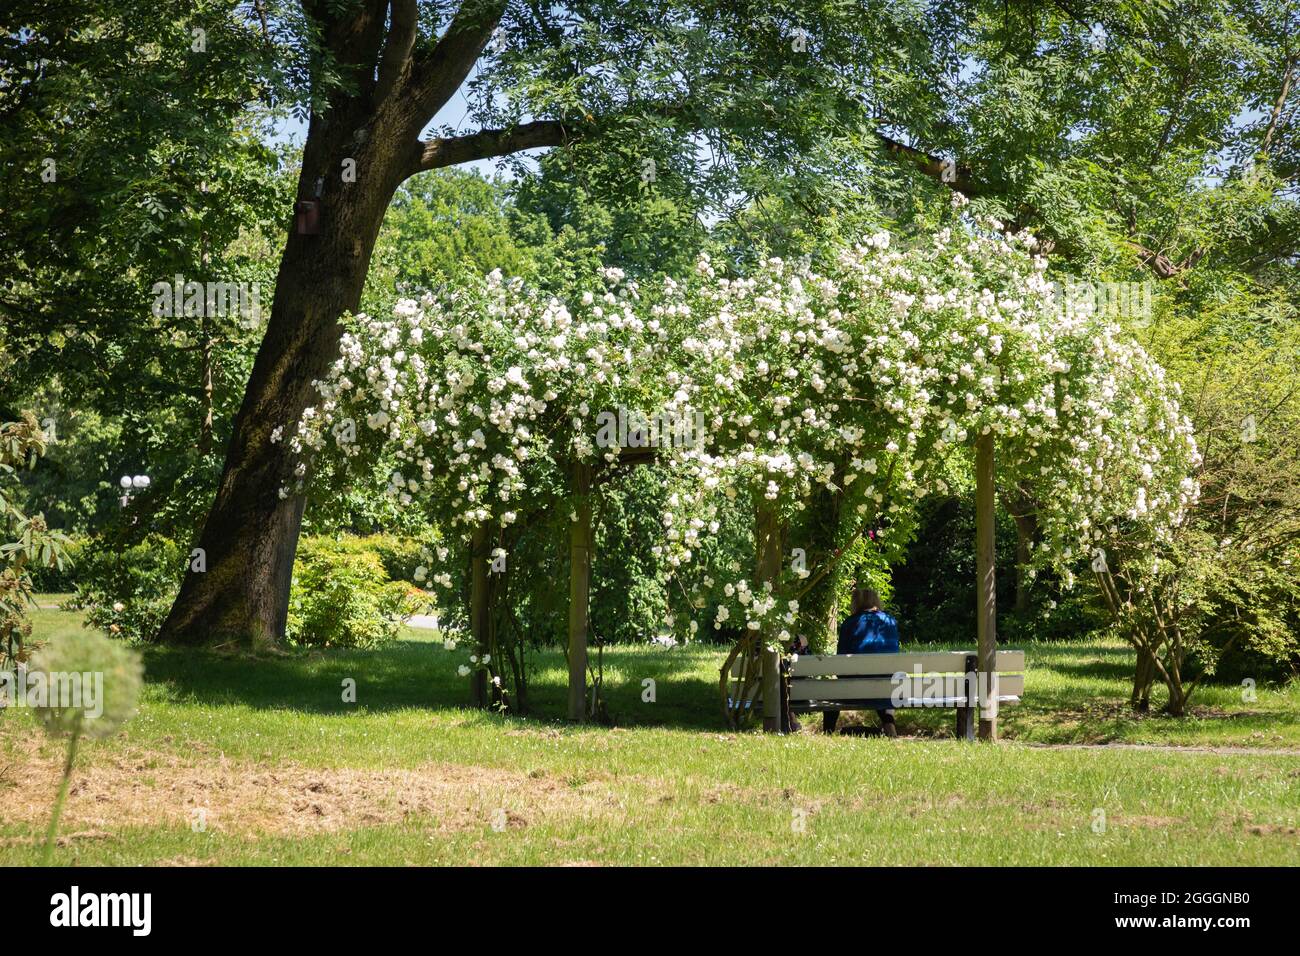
986 596
768 548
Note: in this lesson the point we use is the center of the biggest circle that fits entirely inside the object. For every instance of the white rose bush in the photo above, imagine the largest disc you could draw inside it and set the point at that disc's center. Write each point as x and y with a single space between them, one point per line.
870 373
486 396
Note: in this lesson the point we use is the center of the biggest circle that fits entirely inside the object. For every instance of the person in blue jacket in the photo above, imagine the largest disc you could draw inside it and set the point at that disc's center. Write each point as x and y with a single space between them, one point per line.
867 630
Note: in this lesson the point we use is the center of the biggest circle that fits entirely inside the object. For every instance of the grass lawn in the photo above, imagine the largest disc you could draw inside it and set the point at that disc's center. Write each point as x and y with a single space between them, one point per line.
244 761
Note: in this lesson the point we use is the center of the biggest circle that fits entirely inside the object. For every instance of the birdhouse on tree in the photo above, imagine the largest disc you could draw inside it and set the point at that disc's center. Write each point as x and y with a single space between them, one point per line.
307 217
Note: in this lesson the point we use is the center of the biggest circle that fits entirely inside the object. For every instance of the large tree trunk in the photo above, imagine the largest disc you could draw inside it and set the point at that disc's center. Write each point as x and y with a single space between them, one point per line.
389 88
251 534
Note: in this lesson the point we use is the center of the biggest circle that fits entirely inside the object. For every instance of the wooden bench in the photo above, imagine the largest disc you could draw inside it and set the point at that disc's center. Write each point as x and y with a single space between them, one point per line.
941 679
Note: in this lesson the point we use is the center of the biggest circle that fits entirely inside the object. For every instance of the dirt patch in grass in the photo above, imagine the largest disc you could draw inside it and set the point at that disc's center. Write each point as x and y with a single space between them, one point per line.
150 789
1146 821
1271 829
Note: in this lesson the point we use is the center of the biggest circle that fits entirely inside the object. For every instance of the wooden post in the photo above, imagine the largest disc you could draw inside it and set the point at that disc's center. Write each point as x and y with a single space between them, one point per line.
479 608
986 590
965 715
767 543
580 548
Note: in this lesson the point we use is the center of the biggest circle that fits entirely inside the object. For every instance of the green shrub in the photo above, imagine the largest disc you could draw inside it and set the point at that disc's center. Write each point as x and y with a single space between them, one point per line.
342 597
60 579
128 591
400 556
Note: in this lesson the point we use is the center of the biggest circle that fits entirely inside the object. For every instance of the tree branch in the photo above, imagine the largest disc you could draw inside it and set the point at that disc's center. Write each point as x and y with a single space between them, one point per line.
1276 115
404 15
436 78
933 166
1161 264
487 143
352 34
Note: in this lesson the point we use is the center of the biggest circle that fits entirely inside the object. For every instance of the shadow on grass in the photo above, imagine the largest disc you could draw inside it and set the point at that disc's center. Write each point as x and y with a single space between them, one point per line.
421 674
1080 694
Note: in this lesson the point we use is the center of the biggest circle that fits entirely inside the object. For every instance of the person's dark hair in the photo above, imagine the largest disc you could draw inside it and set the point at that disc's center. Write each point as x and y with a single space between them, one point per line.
864 599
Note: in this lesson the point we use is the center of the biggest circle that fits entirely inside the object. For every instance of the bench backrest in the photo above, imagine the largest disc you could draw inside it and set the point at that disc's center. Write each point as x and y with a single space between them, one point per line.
872 676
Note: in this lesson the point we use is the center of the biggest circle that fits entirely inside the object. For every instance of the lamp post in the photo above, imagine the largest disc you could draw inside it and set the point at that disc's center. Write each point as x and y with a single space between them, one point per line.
129 484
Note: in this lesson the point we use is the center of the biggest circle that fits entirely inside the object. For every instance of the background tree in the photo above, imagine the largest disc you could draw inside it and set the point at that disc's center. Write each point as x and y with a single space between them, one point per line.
1223 595
135 141
28 541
